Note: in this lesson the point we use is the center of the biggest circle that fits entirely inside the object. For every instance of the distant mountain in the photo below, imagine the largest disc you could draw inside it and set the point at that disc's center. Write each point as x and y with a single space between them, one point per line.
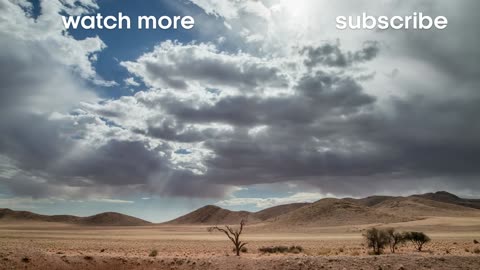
275 211
112 219
331 212
103 219
325 212
446 197
212 214
335 212
416 206
371 200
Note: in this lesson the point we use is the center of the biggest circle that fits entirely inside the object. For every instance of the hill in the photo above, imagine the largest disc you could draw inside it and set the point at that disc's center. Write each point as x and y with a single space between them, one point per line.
446 197
371 200
275 211
211 215
335 212
420 207
112 219
103 219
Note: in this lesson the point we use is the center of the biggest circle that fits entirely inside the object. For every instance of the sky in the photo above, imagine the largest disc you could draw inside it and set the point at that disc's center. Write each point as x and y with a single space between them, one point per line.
261 103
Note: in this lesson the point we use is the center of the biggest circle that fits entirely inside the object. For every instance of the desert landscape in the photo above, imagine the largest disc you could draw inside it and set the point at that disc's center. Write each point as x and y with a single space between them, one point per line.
327 234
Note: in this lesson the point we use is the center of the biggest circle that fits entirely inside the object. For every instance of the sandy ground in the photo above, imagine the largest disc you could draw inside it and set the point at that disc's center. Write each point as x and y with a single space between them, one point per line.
58 246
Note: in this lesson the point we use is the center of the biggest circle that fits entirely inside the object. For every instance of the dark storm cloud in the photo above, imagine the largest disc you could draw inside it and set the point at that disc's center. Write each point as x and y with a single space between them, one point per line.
328 131
117 163
317 94
48 147
171 130
331 55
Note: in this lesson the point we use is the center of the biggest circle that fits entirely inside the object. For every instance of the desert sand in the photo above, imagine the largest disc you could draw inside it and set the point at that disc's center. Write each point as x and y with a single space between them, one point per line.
329 232
64 246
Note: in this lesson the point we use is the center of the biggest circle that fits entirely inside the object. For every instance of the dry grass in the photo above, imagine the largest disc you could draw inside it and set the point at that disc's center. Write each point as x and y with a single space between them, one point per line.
51 246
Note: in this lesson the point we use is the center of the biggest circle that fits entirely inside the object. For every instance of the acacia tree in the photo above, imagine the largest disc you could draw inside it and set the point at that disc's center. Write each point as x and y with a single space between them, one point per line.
232 234
377 240
395 238
418 239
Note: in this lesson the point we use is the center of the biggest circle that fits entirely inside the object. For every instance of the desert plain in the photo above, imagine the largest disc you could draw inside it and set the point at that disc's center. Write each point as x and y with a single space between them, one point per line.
54 245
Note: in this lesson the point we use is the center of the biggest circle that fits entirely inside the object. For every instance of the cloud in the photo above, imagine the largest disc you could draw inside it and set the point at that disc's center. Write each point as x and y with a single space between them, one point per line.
290 107
182 66
331 55
46 34
131 82
103 200
300 197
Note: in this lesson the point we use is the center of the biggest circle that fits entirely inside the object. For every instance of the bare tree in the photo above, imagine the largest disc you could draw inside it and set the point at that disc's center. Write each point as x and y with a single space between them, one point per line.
232 234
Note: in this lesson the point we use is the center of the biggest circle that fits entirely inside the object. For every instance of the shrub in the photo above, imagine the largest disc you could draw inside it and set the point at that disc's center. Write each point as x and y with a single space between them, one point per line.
394 239
88 258
476 251
25 259
243 250
153 253
281 249
377 240
419 239
475 241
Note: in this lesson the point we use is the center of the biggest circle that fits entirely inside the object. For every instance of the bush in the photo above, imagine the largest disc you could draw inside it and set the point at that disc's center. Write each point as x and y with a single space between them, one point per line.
243 250
394 239
475 241
419 239
377 240
476 251
153 253
281 249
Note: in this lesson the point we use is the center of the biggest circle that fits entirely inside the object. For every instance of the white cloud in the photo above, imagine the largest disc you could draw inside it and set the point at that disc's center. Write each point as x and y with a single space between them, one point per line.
299 197
131 82
196 67
116 201
47 33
